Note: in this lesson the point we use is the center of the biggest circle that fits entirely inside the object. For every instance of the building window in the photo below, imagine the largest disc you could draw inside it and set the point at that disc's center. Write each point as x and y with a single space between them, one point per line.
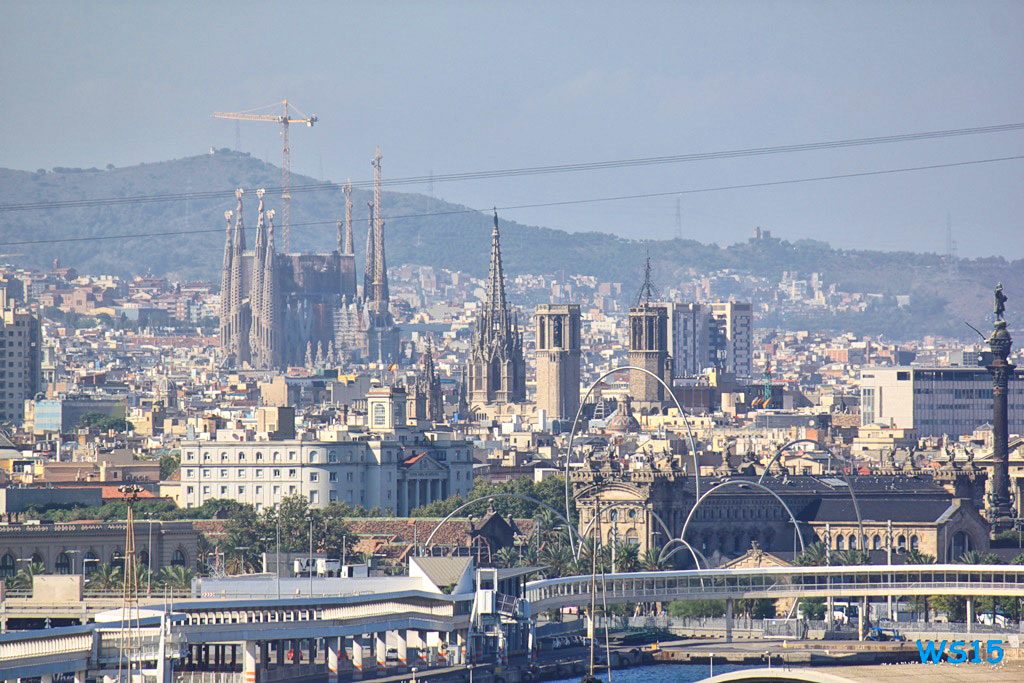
314 476
840 543
332 457
379 414
259 474
277 474
223 474
241 473
259 457
292 473
876 542
241 490
914 542
179 559
314 497
223 490
332 476
259 490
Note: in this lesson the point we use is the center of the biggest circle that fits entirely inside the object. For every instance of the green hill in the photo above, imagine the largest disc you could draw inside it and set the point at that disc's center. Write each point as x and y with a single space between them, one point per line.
449 239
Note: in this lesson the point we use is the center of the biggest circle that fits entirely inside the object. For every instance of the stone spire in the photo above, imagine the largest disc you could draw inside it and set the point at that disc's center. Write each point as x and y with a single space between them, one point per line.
496 313
432 386
239 343
269 301
256 291
347 247
381 293
371 256
225 284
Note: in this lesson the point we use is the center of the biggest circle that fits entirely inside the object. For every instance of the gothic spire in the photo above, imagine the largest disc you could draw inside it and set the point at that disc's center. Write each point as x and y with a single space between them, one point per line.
257 274
269 300
347 245
239 341
225 283
371 257
496 315
381 294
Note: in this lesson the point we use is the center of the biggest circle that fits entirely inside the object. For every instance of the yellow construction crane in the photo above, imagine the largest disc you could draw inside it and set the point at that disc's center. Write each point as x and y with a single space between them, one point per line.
285 118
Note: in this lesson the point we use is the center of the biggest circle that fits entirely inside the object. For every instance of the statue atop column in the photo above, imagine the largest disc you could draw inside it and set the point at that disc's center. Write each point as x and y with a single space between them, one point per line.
1000 301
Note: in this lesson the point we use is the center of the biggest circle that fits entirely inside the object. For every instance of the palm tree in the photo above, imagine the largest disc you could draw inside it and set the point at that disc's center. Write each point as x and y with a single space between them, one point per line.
977 557
651 560
176 578
814 555
106 577
23 579
506 557
627 557
556 556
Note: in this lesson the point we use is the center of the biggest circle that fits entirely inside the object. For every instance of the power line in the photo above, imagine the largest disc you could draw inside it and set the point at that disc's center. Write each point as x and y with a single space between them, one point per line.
567 202
533 170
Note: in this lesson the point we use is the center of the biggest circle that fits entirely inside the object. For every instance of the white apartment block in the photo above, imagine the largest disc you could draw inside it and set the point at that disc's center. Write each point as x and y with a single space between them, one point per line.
732 337
688 339
393 467
935 400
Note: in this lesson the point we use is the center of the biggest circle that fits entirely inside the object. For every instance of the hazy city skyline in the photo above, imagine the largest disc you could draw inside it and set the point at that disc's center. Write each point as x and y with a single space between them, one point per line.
459 87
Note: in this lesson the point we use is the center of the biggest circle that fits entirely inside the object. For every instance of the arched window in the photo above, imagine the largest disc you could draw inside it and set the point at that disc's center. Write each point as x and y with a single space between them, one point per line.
63 565
38 559
853 542
632 537
901 543
89 562
913 542
876 542
117 558
840 542
7 566
144 558
179 559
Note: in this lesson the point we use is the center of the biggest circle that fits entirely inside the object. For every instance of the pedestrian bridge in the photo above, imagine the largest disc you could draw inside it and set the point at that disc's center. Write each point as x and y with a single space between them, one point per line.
782 582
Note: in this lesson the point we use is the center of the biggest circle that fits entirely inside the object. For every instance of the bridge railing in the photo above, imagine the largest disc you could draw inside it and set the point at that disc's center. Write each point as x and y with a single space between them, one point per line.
16 648
782 582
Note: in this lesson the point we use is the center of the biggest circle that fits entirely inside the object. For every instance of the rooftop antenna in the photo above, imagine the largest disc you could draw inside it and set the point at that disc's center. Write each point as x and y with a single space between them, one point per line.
647 289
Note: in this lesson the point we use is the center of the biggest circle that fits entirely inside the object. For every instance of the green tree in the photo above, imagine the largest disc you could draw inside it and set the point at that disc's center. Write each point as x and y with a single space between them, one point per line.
23 579
176 578
813 555
169 464
105 577
696 608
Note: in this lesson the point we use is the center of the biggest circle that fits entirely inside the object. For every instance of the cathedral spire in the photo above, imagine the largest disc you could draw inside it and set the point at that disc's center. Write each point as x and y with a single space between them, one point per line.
347 246
256 291
225 283
240 340
381 293
496 319
371 257
269 301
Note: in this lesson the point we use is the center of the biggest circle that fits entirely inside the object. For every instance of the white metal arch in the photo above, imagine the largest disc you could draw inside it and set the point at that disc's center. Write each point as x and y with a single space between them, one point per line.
579 414
738 482
843 472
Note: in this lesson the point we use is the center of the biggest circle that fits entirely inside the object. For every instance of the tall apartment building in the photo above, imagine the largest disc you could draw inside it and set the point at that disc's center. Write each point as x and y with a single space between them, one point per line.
20 354
392 466
558 359
688 338
936 400
732 337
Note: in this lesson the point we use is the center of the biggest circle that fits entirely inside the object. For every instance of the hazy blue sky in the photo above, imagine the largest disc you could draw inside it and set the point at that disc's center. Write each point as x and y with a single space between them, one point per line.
455 86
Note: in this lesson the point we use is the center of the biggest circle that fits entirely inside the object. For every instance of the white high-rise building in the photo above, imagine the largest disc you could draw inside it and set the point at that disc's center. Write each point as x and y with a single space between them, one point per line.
688 339
732 337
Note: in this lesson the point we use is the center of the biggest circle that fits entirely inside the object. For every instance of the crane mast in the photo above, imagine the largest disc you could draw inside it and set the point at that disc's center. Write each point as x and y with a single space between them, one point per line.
285 119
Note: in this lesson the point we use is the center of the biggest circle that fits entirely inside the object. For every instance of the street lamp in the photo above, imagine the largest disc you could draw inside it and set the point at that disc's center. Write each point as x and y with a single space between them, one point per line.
72 554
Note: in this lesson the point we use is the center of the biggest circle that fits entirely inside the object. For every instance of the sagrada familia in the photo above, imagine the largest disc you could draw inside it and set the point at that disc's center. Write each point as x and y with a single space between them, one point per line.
280 310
